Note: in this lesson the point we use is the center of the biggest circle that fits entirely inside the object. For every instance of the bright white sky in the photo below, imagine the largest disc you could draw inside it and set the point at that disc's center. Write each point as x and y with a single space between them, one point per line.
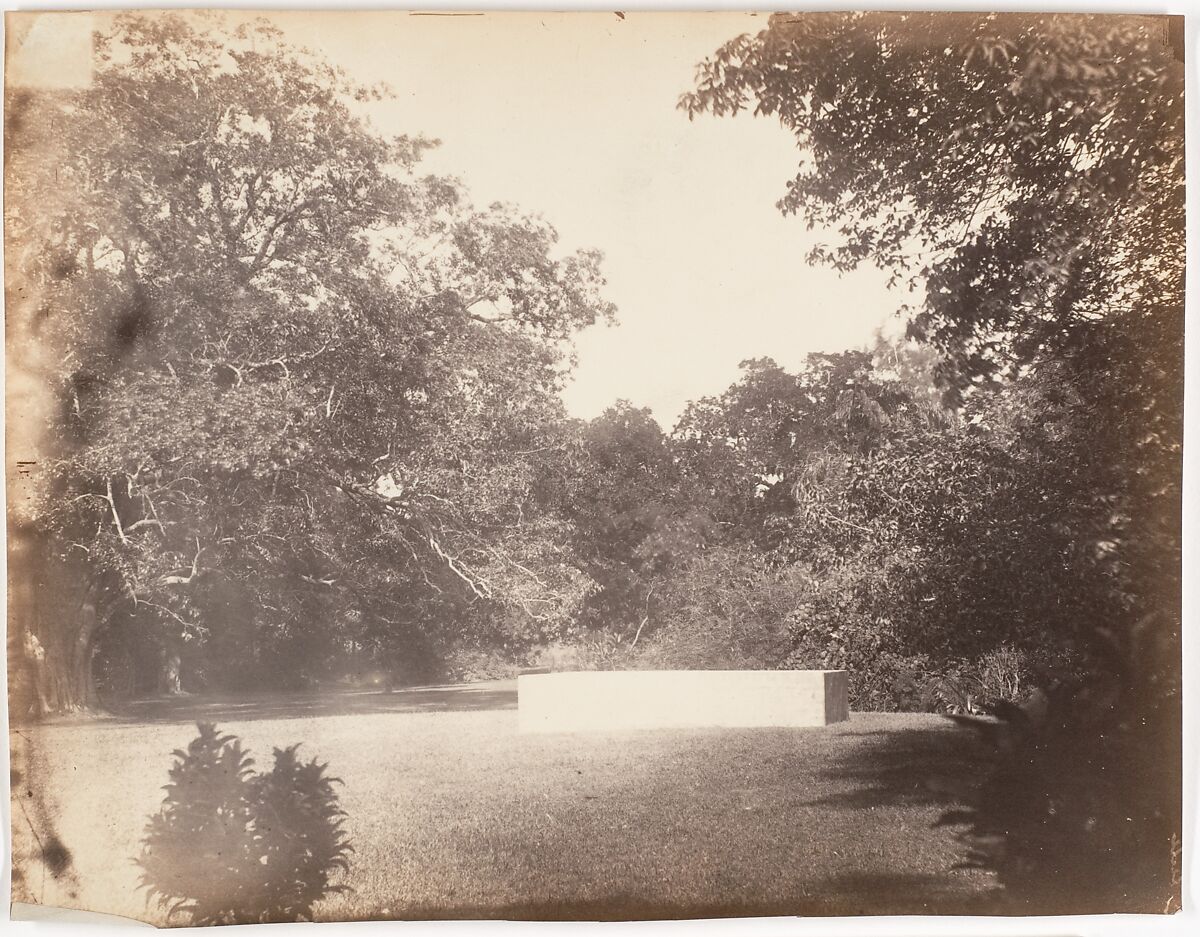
573 116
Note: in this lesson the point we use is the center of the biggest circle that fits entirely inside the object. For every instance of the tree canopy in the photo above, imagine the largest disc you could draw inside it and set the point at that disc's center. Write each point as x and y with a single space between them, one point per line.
1024 175
1027 168
285 408
299 390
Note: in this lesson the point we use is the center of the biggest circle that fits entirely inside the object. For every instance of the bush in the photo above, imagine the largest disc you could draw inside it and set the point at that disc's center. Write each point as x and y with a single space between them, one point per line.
725 609
232 846
469 665
975 686
1080 812
885 676
603 650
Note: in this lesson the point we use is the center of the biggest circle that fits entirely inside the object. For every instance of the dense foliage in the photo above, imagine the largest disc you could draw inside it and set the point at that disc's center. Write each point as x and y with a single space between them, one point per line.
232 846
296 396
1027 172
1024 175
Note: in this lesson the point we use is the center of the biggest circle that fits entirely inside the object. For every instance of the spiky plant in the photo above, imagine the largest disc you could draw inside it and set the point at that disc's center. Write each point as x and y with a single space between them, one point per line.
231 846
299 839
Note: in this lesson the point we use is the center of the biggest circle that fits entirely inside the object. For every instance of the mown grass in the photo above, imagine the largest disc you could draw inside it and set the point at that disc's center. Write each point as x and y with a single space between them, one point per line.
454 814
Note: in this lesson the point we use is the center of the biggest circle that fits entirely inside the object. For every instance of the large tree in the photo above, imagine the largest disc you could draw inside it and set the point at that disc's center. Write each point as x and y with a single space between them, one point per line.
1023 176
288 391
636 520
1027 170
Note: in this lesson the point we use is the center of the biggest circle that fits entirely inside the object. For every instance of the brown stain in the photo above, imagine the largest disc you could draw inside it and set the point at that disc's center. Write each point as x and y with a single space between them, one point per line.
39 855
42 861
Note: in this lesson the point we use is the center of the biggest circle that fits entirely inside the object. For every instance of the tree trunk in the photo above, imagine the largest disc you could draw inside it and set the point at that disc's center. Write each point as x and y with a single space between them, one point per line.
171 673
62 665
83 682
53 608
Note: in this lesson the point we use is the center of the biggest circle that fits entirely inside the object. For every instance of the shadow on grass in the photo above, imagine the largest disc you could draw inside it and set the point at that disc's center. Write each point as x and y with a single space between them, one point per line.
478 697
933 766
838 896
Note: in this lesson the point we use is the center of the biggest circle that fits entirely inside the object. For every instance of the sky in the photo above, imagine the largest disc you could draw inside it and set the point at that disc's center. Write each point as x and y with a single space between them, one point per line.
574 117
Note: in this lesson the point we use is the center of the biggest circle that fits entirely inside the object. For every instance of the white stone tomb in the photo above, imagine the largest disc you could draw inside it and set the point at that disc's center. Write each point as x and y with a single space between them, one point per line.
658 699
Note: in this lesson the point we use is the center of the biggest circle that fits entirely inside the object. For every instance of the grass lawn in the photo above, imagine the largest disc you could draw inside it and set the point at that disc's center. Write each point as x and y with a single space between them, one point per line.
453 814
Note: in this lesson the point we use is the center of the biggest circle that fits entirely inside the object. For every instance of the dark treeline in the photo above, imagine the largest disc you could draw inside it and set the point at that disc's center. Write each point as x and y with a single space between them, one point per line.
294 407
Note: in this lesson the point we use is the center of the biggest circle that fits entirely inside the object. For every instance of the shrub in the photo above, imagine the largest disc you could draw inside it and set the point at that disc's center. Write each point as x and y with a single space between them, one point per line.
469 665
724 609
1080 811
603 650
973 686
1003 674
232 846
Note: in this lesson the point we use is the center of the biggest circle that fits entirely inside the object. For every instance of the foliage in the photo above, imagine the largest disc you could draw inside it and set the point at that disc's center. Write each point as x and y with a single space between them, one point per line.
635 519
300 397
231 846
301 418
463 665
908 545
1026 171
1029 167
1061 839
724 610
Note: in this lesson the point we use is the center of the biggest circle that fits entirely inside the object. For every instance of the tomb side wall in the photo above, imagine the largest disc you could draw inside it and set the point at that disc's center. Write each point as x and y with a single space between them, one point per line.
563 702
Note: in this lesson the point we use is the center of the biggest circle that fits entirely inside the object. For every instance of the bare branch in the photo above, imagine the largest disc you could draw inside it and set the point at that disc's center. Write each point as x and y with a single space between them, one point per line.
163 608
478 586
174 580
115 515
145 522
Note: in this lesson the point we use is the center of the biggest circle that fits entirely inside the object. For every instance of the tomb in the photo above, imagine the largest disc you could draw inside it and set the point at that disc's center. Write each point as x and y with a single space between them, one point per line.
659 699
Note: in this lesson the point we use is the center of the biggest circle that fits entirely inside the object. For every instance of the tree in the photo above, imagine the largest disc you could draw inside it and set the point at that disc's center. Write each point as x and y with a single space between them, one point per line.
756 446
1023 174
268 353
635 518
788 458
1027 171
1028 168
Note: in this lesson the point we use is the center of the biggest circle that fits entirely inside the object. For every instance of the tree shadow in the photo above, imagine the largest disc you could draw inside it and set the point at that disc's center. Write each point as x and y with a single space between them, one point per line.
939 765
837 896
474 697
